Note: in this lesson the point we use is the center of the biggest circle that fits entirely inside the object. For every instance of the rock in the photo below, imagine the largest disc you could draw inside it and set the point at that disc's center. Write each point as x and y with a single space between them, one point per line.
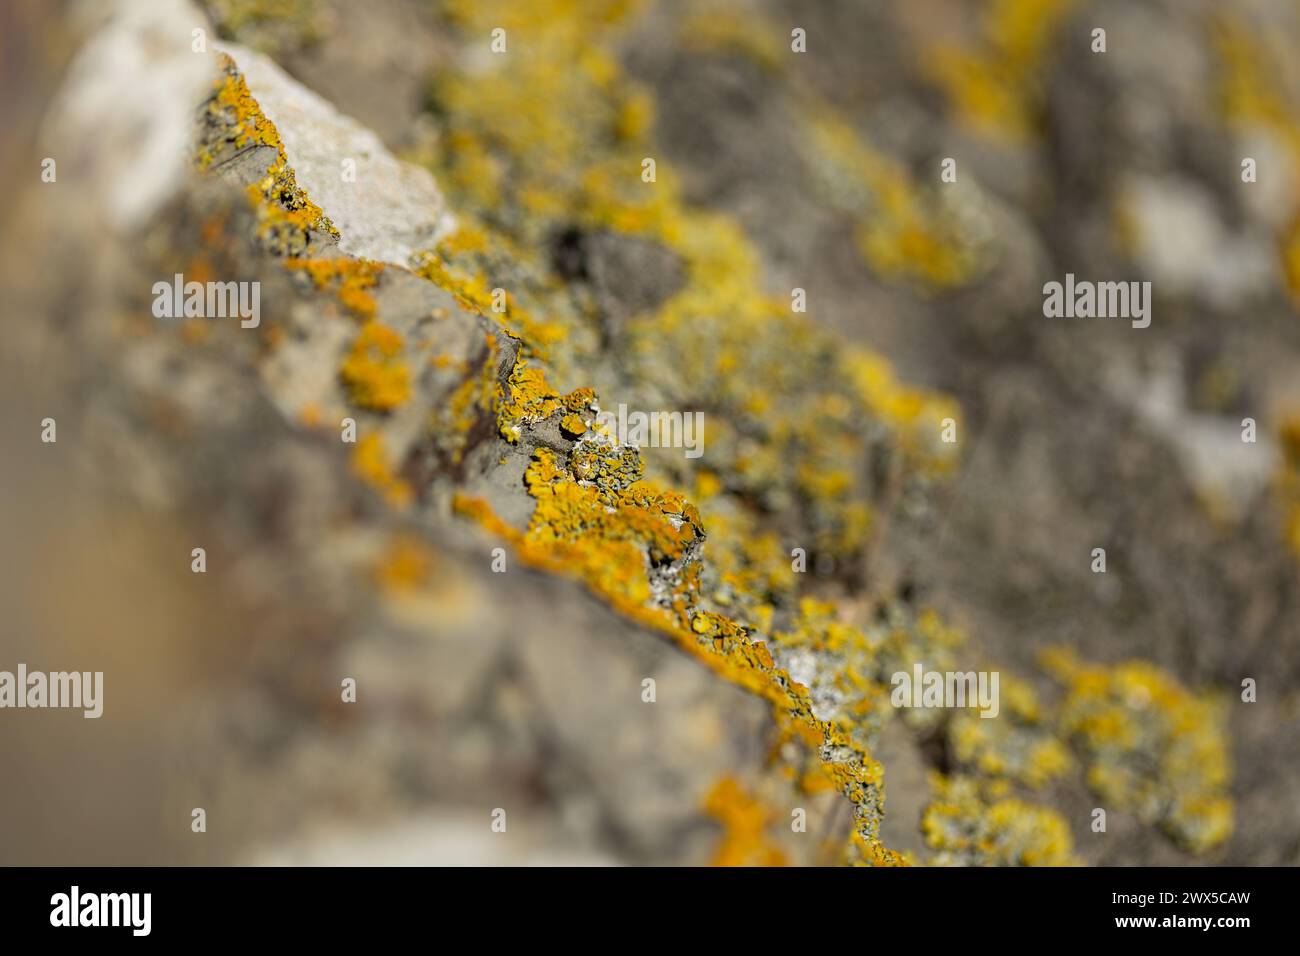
384 209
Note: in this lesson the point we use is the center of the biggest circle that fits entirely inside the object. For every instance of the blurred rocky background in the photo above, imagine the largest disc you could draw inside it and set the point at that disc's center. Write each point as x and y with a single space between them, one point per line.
380 168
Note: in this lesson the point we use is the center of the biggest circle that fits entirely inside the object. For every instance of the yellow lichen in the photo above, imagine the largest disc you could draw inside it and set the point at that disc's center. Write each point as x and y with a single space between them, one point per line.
352 279
720 30
1018 744
1288 480
555 143
576 534
744 820
527 398
370 463
1152 747
903 232
287 217
974 824
573 424
535 148
994 84
374 373
406 565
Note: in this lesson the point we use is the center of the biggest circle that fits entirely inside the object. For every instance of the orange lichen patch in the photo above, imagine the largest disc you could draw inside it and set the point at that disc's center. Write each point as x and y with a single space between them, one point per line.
817 627
527 398
917 415
286 217
246 124
373 372
510 129
752 567
1152 746
611 195
744 820
555 142
371 464
573 424
969 823
352 279
467 238
609 538
765 373
816 778
472 290
662 524
995 84
720 342
406 565
461 263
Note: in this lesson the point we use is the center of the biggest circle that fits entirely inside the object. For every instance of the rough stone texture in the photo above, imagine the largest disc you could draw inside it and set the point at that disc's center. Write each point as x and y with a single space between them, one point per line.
390 210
